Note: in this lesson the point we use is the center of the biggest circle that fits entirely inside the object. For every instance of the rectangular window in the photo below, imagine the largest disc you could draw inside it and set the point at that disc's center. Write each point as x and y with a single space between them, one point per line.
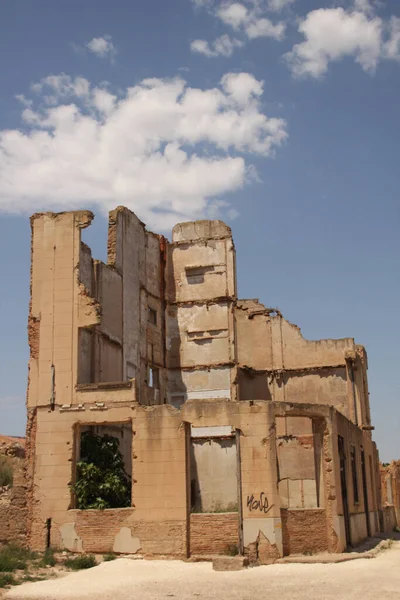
213 470
154 378
389 490
208 334
103 466
371 472
354 473
177 400
196 274
152 316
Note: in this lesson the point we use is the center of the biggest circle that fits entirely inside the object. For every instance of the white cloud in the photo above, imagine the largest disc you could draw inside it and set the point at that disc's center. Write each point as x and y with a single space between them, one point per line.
234 14
61 86
242 87
251 22
392 45
164 149
265 28
202 3
102 47
332 34
222 46
278 5
24 101
364 6
202 47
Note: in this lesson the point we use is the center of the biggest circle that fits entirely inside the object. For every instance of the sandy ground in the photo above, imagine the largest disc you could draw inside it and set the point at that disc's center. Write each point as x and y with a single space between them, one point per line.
125 579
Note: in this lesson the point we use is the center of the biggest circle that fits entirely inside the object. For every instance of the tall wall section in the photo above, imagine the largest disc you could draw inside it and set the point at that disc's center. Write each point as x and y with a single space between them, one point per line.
92 322
93 328
200 314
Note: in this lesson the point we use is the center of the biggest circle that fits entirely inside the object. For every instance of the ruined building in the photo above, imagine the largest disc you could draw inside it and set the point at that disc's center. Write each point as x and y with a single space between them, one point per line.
390 495
235 430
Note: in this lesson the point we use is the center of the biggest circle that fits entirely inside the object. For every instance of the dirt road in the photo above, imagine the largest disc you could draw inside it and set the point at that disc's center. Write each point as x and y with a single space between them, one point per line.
124 579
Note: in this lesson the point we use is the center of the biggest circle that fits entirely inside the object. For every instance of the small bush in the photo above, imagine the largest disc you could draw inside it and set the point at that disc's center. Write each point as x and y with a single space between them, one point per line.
101 478
109 556
6 579
86 561
48 559
6 472
32 578
232 550
13 557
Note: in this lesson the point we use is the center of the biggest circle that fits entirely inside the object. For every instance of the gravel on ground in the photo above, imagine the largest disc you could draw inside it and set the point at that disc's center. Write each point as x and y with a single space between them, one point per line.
125 579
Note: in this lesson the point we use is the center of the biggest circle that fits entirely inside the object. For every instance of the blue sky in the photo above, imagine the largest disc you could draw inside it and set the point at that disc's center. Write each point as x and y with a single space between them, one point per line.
279 116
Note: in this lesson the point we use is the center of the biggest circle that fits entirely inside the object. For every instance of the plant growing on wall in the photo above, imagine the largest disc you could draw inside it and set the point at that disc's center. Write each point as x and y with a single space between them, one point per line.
101 480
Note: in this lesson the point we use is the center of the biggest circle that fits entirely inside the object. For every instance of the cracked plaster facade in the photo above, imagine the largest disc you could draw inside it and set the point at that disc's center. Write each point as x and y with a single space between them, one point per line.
157 339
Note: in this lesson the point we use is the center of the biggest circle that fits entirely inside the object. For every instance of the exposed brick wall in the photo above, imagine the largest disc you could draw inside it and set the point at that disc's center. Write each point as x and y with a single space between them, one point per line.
304 531
213 533
98 529
31 429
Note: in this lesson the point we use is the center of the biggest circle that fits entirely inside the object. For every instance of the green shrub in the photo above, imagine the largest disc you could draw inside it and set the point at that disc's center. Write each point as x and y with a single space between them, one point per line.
48 559
109 556
232 550
13 557
6 579
86 561
6 472
32 578
101 478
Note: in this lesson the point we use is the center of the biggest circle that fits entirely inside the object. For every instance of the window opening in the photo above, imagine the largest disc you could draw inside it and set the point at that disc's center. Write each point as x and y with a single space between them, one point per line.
213 470
152 316
354 473
103 466
154 378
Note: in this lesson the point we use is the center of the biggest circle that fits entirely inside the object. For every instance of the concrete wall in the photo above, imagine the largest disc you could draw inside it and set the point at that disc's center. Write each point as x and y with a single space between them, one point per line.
299 451
189 287
276 363
159 470
89 322
213 475
201 289
159 521
360 441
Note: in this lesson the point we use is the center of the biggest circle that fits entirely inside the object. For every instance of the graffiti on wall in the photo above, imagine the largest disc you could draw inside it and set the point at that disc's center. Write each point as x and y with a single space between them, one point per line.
260 503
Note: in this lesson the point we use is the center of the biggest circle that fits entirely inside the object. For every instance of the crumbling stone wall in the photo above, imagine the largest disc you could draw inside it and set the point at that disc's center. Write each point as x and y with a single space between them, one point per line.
13 499
275 362
390 494
13 514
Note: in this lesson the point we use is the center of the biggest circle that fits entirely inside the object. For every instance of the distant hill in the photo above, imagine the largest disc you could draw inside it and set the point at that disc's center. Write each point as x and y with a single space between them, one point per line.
12 446
9 439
